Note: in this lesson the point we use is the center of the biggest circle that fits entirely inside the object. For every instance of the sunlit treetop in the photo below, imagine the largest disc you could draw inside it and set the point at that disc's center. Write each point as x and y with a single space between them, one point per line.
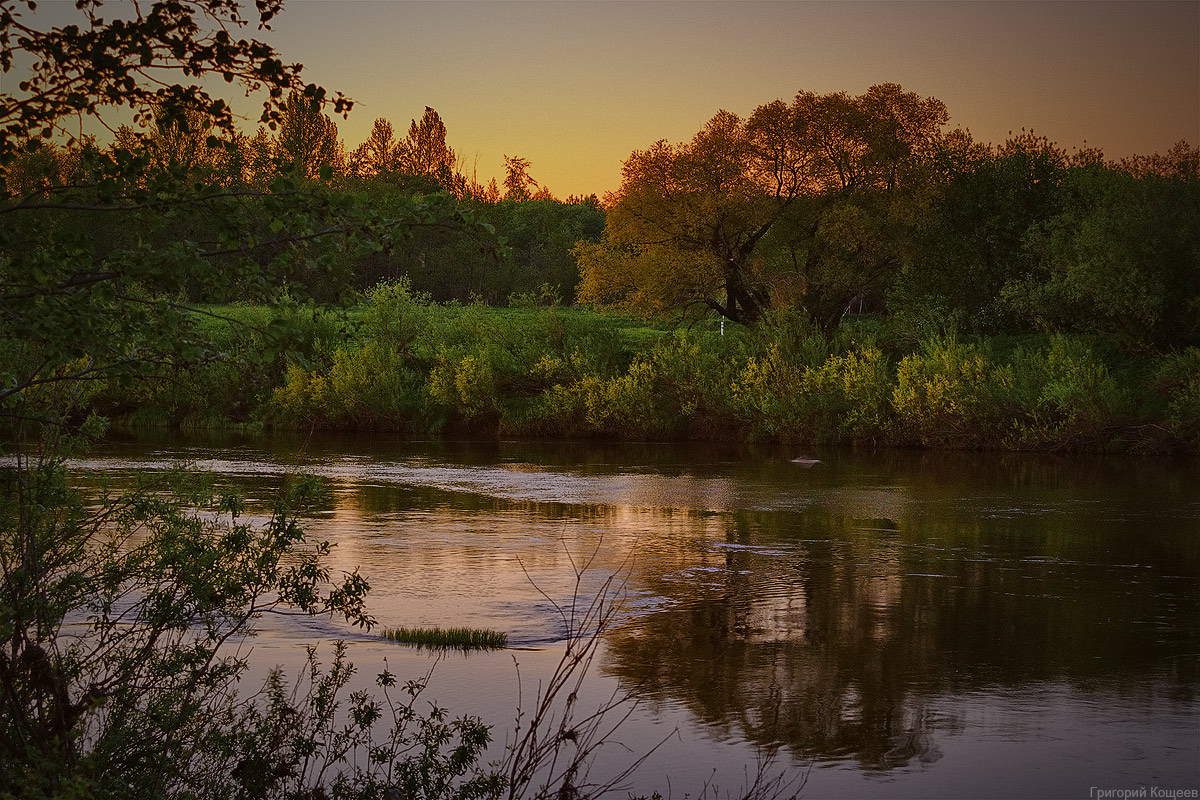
142 59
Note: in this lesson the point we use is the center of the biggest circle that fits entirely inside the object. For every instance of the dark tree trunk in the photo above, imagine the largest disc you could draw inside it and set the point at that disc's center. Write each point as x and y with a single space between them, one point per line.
742 304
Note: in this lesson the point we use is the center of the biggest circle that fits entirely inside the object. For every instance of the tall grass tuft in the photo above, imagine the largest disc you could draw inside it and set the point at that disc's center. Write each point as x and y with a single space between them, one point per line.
450 639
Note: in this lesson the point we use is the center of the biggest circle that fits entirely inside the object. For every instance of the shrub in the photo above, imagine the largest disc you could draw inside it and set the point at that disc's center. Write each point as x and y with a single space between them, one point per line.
950 394
765 396
838 398
369 387
464 383
1068 398
695 373
848 396
122 617
395 316
1177 378
629 405
795 337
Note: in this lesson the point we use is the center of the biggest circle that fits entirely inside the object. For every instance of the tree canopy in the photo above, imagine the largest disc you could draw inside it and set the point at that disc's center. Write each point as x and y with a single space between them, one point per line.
308 142
836 204
704 207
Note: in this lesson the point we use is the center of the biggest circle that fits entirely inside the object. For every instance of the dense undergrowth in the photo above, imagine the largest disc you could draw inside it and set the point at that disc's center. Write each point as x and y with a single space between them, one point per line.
400 362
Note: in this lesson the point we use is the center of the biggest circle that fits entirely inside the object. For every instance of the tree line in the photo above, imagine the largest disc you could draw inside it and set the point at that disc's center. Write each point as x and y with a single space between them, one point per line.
824 206
474 240
301 141
837 204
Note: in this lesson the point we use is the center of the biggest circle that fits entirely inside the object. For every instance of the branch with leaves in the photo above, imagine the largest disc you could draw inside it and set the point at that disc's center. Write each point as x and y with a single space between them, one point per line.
135 58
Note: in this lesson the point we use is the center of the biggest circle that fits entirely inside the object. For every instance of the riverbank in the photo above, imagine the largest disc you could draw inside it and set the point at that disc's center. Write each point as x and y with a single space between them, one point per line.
401 363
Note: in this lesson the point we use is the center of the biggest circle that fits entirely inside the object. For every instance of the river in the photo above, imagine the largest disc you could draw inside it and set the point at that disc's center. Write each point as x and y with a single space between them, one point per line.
891 624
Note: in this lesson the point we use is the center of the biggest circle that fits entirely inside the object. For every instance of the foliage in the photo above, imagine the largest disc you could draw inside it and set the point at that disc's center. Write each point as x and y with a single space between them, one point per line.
704 206
689 225
1177 376
425 152
250 350
456 638
307 145
188 37
395 315
1027 237
1119 259
538 238
517 181
970 246
463 382
379 156
401 363
309 742
1077 398
641 280
580 401
118 617
844 396
366 387
695 372
951 394
849 394
529 246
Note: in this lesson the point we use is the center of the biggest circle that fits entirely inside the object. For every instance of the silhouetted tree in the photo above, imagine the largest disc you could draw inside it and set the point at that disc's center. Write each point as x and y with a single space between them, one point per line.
517 181
307 140
425 152
380 155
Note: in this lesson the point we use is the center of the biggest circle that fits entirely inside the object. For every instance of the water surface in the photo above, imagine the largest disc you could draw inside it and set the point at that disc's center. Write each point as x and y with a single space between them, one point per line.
894 624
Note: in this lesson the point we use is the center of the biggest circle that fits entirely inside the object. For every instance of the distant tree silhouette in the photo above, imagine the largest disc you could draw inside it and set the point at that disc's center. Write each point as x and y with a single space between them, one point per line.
307 140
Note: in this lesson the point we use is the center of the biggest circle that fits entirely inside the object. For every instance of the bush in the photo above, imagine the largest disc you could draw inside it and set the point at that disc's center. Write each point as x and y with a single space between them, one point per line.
951 395
368 387
120 616
1177 379
695 374
848 396
395 316
1066 396
246 354
765 396
628 405
842 397
464 384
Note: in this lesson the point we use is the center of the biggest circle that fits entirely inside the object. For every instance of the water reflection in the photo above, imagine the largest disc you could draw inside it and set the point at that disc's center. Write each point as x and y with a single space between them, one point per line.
830 630
876 611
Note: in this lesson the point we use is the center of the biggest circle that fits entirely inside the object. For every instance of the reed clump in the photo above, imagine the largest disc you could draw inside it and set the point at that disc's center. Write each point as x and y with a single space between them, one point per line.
449 638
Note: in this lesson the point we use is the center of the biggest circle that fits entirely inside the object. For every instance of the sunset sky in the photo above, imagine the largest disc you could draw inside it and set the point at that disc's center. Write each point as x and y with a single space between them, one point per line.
576 86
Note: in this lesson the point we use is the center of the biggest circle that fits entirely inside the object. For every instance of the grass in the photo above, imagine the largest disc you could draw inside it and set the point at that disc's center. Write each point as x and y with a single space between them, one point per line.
449 639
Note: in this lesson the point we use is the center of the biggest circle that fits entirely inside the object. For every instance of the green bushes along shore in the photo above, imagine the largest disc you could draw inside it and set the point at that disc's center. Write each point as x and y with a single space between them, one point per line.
400 362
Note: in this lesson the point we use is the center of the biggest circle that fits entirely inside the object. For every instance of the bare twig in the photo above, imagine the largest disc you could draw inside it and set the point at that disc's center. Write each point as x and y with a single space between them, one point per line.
556 744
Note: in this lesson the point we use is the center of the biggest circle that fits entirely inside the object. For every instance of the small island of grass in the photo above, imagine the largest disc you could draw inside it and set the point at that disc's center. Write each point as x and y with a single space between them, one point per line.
450 638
